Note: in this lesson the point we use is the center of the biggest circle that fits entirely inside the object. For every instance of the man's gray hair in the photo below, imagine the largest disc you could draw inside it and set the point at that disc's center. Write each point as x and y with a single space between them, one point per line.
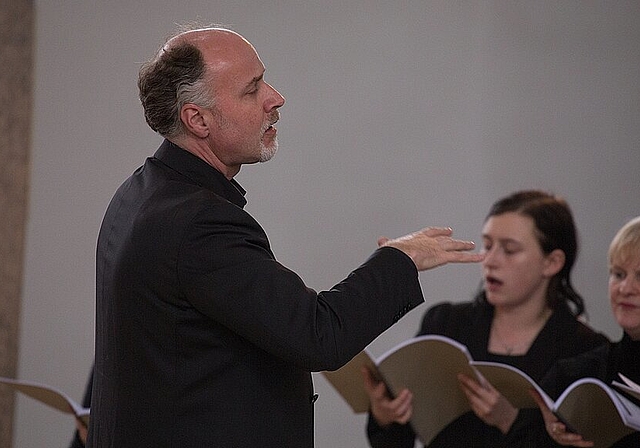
175 77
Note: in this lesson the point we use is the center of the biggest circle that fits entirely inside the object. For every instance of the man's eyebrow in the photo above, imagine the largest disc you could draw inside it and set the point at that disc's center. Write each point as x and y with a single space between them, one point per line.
255 80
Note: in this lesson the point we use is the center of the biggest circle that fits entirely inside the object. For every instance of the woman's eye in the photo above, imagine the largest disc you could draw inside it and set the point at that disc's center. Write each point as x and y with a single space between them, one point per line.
618 275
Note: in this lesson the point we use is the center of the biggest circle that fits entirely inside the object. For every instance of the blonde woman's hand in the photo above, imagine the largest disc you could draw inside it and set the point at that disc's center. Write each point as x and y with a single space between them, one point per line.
555 428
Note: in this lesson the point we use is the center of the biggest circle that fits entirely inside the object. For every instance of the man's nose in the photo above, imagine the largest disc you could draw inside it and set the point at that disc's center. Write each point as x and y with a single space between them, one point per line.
275 100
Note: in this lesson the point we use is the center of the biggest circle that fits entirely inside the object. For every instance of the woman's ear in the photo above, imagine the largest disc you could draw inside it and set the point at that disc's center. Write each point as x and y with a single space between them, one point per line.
194 120
554 262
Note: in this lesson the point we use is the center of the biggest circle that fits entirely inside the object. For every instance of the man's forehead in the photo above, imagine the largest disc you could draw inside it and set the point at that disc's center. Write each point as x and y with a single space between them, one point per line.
226 48
234 69
228 56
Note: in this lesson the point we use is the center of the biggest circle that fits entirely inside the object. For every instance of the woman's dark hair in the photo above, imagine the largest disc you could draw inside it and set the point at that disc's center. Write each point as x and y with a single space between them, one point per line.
176 76
555 229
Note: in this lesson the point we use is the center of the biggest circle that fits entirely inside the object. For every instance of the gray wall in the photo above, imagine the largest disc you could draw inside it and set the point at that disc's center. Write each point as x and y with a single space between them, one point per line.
399 115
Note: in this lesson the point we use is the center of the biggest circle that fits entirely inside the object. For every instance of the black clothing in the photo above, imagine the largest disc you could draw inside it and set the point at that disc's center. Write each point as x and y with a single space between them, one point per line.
562 336
603 363
202 338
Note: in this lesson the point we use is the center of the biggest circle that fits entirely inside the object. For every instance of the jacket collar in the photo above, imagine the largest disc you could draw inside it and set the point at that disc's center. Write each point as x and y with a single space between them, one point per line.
200 172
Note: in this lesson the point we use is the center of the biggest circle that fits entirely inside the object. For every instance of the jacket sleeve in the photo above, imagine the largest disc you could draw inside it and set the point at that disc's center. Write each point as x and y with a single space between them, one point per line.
229 273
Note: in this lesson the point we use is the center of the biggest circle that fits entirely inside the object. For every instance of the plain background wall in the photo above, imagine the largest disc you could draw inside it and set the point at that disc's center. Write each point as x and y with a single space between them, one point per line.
399 115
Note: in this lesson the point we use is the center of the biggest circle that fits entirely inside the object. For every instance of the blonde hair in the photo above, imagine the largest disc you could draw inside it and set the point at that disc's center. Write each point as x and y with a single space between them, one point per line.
626 244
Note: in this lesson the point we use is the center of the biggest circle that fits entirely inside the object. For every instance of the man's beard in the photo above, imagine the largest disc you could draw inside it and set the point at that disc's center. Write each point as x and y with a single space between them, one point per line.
267 152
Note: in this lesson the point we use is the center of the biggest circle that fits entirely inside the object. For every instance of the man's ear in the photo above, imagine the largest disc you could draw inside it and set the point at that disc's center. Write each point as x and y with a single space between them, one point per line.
194 120
554 262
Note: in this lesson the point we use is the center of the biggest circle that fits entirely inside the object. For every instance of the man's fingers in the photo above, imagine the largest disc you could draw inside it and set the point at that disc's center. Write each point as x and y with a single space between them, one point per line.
433 246
465 257
435 232
382 240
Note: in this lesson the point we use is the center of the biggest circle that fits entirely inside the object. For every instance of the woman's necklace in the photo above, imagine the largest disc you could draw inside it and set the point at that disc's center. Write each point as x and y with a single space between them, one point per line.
520 339
507 348
513 346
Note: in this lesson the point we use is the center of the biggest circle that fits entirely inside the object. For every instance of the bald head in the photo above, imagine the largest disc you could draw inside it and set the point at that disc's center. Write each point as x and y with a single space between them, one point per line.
205 91
219 46
203 35
178 74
